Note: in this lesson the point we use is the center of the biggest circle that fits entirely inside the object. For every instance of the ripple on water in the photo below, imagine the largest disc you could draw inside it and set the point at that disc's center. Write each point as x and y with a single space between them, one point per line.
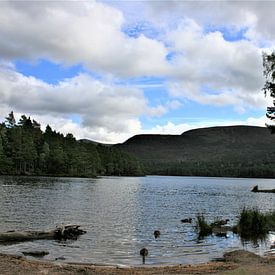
121 214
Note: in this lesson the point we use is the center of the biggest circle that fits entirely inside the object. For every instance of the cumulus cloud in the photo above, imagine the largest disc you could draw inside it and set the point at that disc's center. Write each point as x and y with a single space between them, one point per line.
88 33
108 112
189 51
254 16
210 70
171 128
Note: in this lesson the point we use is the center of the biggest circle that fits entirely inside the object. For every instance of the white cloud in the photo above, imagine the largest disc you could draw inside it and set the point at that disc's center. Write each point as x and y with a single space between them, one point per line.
108 112
77 32
100 134
171 128
204 66
210 70
254 16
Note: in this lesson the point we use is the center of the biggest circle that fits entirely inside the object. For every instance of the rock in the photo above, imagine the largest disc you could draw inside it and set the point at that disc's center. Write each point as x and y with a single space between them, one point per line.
61 258
219 223
241 256
189 220
38 254
221 234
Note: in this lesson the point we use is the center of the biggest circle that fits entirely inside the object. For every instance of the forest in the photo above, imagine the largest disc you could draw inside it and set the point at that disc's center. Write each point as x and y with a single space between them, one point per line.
26 150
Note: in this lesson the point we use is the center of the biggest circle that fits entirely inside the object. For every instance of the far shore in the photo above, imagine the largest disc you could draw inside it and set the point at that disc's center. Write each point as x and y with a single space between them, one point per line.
235 262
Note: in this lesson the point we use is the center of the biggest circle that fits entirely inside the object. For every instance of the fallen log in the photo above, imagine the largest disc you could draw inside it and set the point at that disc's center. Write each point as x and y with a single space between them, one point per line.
62 232
257 190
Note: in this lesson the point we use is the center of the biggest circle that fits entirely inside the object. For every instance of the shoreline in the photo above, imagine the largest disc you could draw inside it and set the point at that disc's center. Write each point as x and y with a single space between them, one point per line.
134 176
235 262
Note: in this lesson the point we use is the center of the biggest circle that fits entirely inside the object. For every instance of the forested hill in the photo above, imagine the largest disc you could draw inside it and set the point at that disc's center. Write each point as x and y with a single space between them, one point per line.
26 150
241 151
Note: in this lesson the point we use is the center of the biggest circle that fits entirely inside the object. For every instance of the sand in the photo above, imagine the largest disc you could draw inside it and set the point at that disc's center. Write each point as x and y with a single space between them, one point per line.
236 262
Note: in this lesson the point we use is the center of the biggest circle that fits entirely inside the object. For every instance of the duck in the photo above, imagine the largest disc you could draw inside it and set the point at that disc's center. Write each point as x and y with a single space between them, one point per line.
144 253
156 234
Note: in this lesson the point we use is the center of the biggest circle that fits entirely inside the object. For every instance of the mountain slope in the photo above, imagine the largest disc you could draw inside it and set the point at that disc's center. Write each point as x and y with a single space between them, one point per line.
228 151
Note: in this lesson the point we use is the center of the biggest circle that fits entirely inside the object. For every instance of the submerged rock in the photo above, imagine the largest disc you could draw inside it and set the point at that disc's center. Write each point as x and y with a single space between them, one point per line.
189 220
38 254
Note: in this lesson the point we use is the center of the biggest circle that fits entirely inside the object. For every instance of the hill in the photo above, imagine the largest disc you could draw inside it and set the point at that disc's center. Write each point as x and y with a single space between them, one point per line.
243 151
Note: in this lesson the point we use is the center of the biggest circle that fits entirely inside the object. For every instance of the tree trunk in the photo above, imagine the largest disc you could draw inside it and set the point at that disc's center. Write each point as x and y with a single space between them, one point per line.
61 232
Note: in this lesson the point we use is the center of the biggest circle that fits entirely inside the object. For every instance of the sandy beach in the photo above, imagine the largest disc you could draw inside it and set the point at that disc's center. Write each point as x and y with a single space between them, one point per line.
236 262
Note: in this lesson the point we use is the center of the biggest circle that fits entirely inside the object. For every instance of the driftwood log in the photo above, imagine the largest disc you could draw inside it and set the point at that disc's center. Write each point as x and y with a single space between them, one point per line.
62 232
257 190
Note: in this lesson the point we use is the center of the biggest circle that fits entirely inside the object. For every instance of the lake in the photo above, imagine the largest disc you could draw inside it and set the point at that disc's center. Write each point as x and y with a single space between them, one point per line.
120 215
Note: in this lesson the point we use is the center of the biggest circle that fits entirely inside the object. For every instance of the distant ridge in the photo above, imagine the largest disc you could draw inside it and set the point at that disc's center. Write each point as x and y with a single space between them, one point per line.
246 151
84 140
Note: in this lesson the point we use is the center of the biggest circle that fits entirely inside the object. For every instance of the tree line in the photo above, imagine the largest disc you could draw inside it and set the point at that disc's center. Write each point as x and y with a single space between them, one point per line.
26 150
254 169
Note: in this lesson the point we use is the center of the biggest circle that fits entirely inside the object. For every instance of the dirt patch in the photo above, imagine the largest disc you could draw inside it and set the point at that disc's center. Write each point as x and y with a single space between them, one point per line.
242 256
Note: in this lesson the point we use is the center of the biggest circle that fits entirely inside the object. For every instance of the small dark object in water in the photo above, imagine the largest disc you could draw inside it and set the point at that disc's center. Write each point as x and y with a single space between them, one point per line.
220 222
156 234
68 232
144 253
255 189
35 253
189 220
221 234
272 246
62 258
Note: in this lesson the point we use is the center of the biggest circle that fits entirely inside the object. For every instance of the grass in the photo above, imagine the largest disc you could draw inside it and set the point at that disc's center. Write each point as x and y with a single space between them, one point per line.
252 224
203 227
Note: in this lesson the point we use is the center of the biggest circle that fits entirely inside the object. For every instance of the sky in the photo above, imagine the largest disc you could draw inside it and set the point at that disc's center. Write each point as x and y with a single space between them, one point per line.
108 70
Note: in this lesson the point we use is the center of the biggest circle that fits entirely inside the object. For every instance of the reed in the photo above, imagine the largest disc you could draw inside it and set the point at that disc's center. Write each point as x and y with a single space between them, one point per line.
203 227
254 224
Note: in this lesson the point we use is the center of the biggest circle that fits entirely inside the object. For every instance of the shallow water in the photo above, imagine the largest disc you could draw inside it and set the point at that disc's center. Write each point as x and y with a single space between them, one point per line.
120 215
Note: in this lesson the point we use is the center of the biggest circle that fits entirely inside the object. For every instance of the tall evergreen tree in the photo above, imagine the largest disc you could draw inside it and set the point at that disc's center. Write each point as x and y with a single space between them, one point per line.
10 120
269 86
25 149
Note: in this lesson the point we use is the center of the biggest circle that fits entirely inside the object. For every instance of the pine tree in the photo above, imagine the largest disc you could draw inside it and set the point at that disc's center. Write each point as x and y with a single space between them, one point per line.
269 87
10 120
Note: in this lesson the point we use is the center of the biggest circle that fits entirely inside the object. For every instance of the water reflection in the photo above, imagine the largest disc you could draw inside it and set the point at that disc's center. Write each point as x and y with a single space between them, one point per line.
121 215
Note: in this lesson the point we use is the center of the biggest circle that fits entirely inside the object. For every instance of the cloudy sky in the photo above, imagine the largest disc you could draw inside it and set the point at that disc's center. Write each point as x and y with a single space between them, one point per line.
107 70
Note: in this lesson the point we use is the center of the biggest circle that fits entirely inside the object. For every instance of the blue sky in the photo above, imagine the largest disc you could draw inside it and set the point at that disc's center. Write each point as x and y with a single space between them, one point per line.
107 70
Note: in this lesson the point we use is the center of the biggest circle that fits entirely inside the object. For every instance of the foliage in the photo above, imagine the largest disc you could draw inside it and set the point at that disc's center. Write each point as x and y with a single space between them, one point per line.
269 73
232 151
253 224
26 150
269 86
203 227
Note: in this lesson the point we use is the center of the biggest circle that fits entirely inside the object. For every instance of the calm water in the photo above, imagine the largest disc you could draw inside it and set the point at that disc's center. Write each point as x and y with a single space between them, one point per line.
121 214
